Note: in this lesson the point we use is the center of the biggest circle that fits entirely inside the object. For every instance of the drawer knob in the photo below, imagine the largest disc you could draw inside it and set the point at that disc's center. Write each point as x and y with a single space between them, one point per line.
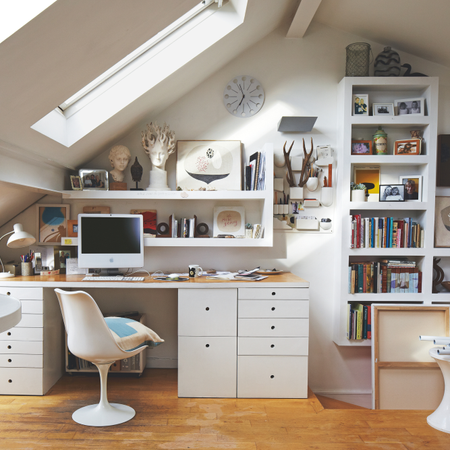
273 308
9 381
207 308
207 345
9 333
272 346
9 347
272 327
8 293
274 293
272 376
9 360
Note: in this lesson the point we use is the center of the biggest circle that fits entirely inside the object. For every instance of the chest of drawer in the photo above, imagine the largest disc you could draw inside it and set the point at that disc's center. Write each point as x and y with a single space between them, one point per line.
293 346
29 348
23 334
273 293
32 306
14 381
273 308
23 293
16 360
273 327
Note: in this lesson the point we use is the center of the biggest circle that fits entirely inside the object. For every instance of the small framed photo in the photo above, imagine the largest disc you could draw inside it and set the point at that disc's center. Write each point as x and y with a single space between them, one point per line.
94 179
75 182
392 192
413 187
407 147
360 105
410 106
361 147
72 228
52 223
229 220
383 109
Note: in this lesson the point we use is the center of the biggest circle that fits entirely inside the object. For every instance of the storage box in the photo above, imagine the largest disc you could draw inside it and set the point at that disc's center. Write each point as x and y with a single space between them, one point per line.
13 268
307 224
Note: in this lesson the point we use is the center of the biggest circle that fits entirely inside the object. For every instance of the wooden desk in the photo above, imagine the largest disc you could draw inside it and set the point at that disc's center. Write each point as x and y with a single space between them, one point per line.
235 338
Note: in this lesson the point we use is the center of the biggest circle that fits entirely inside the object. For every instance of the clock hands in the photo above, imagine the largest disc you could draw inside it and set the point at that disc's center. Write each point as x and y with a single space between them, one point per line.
243 96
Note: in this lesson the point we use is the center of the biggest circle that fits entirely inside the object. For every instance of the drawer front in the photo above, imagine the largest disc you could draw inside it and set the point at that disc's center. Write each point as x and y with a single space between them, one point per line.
21 381
28 348
273 327
273 346
273 376
32 306
15 360
273 308
31 321
23 293
207 367
23 334
271 293
207 312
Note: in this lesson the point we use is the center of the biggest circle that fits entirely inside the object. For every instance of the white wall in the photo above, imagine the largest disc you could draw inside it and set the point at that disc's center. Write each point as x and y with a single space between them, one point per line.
300 77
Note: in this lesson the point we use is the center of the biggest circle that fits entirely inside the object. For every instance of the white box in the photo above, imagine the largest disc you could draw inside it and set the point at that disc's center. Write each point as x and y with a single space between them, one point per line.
307 224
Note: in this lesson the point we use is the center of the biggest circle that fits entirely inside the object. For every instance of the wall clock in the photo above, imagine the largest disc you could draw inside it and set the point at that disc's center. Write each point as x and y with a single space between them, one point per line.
243 96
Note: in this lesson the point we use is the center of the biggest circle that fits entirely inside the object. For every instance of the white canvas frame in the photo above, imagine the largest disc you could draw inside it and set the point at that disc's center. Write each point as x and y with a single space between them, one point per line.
235 226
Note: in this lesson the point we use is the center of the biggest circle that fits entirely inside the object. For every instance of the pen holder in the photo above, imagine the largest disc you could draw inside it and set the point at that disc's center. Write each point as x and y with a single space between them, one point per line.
26 269
312 183
327 196
296 193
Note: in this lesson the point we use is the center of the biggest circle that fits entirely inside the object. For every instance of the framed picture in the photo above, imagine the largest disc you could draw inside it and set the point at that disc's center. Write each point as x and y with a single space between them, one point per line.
94 179
72 228
410 106
392 192
209 165
361 147
413 187
52 223
75 182
443 161
383 109
370 176
442 222
407 147
149 216
229 220
360 105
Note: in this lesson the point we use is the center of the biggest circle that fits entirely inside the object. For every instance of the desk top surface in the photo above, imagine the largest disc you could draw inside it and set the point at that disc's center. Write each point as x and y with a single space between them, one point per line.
286 279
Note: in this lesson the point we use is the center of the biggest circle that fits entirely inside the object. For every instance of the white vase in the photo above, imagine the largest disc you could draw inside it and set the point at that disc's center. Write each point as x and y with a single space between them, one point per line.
358 195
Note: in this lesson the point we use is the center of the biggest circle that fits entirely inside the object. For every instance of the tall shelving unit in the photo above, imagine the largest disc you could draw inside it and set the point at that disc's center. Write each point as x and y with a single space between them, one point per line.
385 90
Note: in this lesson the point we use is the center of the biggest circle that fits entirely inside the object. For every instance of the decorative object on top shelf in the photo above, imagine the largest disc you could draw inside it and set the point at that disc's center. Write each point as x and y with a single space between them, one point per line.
243 96
413 187
414 106
360 105
358 192
383 109
94 180
119 157
229 221
159 143
357 59
361 147
380 142
443 161
387 63
209 165
392 192
136 174
52 223
442 222
409 74
407 147
438 275
75 182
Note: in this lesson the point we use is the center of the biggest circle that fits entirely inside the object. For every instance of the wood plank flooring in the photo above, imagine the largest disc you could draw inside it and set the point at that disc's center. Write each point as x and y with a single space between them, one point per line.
164 421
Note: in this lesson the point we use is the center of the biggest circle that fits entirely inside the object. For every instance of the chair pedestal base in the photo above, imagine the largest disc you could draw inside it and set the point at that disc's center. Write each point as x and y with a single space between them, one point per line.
103 415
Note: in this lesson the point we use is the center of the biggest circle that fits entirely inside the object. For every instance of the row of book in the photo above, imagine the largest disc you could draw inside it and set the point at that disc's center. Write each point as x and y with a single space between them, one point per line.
255 172
385 232
359 321
183 227
391 277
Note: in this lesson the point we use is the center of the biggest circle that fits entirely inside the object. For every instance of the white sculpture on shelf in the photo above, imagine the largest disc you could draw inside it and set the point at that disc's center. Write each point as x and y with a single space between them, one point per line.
159 143
119 157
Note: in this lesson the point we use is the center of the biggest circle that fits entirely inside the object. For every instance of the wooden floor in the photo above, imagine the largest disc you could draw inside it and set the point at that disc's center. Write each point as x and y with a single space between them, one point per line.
164 421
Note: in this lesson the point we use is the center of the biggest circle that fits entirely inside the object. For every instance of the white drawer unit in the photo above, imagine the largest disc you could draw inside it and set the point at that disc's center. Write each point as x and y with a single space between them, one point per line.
273 346
31 353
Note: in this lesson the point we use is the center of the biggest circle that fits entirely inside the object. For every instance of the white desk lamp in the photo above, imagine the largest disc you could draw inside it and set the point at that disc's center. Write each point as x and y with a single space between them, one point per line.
18 239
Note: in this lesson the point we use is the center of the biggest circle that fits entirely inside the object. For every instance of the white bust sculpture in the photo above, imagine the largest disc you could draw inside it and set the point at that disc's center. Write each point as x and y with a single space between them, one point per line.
119 157
159 143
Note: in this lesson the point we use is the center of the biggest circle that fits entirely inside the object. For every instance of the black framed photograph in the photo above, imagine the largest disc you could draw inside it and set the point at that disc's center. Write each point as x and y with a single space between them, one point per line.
383 109
413 187
410 106
93 179
392 192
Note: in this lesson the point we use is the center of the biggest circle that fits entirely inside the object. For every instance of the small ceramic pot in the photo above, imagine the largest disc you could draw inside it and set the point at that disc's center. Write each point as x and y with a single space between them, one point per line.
312 183
296 193
358 195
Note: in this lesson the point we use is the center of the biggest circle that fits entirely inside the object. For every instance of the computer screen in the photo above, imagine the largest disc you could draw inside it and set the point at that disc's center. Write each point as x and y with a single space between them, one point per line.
110 241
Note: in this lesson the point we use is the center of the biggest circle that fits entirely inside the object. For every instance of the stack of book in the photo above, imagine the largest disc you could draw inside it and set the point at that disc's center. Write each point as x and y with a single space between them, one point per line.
255 172
359 321
387 276
385 232
182 228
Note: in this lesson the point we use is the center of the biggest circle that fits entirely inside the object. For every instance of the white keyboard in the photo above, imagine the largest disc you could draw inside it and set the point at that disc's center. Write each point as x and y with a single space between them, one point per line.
118 278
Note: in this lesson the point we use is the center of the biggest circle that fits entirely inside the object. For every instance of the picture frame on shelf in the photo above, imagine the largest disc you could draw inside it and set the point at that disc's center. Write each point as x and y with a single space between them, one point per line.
407 147
360 105
392 192
383 109
407 106
72 228
52 223
443 161
94 179
209 165
149 220
368 175
229 220
75 183
442 222
361 147
413 187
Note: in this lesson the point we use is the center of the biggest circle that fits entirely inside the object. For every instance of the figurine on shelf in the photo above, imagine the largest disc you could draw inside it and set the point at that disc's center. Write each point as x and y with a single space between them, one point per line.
159 143
119 157
136 174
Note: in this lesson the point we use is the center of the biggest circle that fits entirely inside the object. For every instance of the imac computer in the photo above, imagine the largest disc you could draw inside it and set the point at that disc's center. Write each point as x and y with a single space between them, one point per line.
109 242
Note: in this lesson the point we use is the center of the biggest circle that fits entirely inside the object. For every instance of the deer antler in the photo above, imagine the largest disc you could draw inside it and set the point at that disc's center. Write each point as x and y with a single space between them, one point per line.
304 175
289 175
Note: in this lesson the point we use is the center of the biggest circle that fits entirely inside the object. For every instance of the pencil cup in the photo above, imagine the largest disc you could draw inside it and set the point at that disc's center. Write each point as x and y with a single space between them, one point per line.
327 196
296 193
26 269
285 209
312 183
276 209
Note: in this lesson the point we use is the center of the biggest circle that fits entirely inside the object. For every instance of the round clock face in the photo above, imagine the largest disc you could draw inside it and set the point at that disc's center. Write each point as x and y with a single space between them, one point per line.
243 96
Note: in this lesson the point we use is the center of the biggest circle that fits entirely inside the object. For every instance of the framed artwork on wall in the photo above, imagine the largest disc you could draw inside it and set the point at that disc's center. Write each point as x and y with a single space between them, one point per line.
229 220
52 223
442 222
209 165
443 161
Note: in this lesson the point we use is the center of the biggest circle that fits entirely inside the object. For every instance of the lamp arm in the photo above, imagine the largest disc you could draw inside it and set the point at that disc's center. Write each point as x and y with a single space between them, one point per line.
7 234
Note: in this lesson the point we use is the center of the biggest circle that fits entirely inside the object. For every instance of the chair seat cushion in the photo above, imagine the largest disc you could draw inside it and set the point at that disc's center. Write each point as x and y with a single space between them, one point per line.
130 334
